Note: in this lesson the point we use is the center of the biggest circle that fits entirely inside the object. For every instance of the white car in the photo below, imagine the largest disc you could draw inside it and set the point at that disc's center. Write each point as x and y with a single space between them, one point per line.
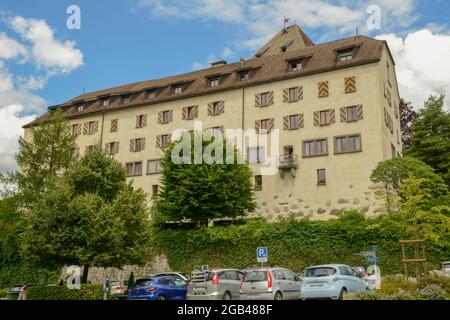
446 268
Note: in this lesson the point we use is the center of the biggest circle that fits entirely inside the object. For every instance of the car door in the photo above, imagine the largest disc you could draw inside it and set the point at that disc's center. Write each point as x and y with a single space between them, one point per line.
180 288
360 282
293 284
281 283
347 279
234 283
166 286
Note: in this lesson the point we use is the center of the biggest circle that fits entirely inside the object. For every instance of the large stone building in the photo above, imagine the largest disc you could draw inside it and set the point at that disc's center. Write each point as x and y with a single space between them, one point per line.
335 105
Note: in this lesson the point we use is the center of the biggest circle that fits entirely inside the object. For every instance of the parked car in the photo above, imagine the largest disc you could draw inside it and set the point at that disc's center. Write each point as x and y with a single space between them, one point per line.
362 271
270 284
214 284
163 287
118 288
446 268
14 291
331 281
177 274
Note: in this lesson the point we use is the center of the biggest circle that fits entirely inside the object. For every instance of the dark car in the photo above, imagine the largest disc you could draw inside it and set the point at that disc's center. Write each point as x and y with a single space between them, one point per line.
168 287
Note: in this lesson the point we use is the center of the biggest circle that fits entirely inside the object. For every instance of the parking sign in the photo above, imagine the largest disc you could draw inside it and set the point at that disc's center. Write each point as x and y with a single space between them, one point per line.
262 254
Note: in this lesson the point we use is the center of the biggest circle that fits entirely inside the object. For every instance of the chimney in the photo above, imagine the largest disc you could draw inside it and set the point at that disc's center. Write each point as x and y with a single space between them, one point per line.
242 61
218 63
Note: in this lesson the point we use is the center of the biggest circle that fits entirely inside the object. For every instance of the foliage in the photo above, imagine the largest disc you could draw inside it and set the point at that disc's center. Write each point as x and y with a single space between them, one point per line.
48 152
130 282
297 244
204 191
104 225
430 137
407 118
87 292
3 293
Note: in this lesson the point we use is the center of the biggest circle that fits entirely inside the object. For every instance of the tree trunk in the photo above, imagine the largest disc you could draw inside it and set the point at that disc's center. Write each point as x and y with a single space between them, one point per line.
85 274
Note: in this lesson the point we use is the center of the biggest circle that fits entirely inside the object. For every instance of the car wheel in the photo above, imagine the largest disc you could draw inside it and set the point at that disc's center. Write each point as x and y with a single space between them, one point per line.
161 297
278 296
341 295
226 296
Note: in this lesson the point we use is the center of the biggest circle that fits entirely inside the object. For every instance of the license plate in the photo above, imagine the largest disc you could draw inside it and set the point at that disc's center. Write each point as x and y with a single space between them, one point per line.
315 285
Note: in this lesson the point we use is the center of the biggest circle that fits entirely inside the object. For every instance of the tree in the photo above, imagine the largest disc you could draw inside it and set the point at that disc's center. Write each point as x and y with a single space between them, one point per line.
392 173
88 222
430 137
48 153
407 118
206 190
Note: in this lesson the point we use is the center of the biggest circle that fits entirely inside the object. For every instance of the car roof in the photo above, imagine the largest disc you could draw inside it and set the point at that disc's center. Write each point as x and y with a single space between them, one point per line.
329 266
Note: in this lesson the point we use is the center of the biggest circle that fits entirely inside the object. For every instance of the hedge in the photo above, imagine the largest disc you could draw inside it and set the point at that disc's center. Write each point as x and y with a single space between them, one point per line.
87 292
297 244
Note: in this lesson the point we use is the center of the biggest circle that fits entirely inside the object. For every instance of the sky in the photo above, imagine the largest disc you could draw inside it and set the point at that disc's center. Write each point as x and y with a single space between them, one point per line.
44 61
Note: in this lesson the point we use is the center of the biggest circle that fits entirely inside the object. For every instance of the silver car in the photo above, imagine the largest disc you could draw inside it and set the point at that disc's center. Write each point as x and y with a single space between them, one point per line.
270 284
214 284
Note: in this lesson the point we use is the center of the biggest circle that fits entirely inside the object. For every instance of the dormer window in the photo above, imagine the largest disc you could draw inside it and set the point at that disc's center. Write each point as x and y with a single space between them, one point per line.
345 55
151 94
79 108
296 65
243 75
214 82
105 102
126 99
177 89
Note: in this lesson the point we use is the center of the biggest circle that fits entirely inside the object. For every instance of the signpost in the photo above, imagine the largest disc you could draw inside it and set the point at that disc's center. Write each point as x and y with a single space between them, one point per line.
262 255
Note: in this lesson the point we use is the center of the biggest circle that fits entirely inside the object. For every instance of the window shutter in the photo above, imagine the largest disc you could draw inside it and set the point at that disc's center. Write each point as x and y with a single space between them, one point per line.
169 137
160 117
257 125
95 127
221 129
170 115
107 148
258 100
317 118
300 120
300 93
144 120
360 112
76 153
85 127
210 108
271 125
184 114
222 106
350 84
343 113
138 125
196 111
332 116
323 89
142 141
158 141
114 125
270 98
132 145
286 121
116 147
285 95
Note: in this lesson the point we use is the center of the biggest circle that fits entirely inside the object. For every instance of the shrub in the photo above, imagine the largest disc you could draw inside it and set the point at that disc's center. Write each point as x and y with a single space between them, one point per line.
3 293
87 292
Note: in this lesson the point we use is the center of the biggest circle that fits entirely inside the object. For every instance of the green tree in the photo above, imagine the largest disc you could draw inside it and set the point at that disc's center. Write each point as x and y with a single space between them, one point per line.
47 153
393 172
84 221
205 189
430 137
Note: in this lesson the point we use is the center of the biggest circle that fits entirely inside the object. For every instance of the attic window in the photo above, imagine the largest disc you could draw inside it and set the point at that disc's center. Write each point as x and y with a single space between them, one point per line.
243 75
79 108
177 89
345 55
214 82
151 94
126 99
105 102
296 65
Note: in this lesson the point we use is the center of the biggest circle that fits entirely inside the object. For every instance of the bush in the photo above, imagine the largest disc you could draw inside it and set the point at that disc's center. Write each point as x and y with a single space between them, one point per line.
87 292
3 293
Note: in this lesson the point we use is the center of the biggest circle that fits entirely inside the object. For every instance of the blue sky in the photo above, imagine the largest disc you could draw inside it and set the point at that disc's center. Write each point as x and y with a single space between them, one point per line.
122 41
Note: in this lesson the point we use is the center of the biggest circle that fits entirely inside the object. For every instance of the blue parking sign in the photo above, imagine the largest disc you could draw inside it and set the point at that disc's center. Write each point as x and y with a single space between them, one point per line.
262 254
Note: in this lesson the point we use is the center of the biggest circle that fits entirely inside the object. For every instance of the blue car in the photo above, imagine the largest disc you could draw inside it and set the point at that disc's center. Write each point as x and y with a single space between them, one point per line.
331 281
159 288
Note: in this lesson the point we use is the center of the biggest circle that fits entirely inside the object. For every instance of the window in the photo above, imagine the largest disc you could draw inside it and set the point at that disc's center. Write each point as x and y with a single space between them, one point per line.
314 148
347 144
105 102
154 191
216 131
137 145
266 125
165 139
134 168
76 129
79 108
216 108
279 274
345 55
321 177
294 122
258 183
154 166
126 99
92 127
265 99
151 94
293 94
393 152
177 89
325 117
296 65
214 82
352 114
141 121
244 75
90 148
256 154
190 113
75 153
165 117
112 148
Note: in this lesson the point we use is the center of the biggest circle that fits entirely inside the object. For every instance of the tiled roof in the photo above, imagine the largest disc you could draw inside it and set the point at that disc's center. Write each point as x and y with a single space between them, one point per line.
267 68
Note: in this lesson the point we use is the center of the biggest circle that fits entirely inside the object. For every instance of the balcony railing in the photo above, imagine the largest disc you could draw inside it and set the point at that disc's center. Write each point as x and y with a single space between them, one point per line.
288 161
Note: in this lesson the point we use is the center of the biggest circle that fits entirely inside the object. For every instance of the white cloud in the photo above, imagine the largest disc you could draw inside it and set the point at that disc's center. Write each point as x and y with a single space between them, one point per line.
422 64
48 53
10 48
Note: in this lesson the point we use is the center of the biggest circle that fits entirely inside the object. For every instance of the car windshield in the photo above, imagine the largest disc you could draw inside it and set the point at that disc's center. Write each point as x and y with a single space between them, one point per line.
320 272
143 282
255 276
446 265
